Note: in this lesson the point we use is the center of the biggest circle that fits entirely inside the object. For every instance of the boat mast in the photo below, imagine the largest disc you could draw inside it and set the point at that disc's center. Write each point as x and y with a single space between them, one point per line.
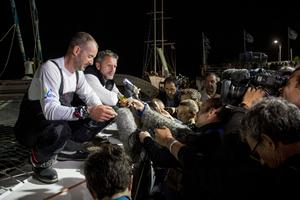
154 35
38 58
162 26
16 20
156 44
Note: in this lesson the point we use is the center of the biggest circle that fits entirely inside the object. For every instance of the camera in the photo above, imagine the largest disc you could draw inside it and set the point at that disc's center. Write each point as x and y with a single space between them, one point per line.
234 83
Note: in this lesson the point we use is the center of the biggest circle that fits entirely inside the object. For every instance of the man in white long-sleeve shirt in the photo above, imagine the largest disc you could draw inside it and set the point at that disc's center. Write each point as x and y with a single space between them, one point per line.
100 77
47 119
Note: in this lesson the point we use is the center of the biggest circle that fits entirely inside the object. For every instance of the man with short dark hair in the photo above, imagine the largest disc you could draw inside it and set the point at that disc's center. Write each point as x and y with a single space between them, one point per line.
108 173
170 95
194 152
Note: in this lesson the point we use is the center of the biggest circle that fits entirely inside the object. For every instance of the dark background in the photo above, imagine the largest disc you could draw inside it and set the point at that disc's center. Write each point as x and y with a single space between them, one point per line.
122 27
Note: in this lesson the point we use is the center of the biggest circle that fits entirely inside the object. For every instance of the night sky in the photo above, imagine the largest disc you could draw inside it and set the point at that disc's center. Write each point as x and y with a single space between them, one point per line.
122 27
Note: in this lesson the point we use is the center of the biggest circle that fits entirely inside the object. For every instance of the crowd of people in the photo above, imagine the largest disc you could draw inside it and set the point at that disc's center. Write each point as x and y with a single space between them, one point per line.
196 146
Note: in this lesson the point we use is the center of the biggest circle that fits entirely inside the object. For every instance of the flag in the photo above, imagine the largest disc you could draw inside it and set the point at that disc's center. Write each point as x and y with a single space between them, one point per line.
292 34
248 37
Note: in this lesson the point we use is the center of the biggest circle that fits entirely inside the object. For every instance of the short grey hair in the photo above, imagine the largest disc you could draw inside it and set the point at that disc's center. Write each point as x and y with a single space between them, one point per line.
102 54
275 117
81 38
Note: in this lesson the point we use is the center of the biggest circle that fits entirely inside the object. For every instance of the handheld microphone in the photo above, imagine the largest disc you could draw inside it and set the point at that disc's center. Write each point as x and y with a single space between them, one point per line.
128 83
131 89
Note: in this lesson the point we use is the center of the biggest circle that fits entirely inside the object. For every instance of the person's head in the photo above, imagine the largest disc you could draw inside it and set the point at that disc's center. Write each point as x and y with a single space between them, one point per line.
170 87
82 50
291 91
187 110
108 172
210 83
106 62
157 104
209 112
190 93
272 130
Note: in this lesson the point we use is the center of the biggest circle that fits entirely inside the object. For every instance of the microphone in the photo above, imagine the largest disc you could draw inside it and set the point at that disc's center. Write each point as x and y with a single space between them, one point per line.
152 119
126 124
131 89
129 124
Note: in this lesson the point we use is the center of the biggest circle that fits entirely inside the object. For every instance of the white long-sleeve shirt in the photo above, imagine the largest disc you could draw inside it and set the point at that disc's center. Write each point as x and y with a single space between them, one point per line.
106 96
45 87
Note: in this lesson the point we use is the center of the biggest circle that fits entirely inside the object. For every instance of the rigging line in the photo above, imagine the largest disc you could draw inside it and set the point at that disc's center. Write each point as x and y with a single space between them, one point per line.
147 57
9 52
13 26
148 44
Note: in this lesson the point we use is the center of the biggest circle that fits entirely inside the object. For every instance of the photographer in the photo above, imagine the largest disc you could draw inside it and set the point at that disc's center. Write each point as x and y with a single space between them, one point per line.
192 151
242 87
252 95
129 123
272 130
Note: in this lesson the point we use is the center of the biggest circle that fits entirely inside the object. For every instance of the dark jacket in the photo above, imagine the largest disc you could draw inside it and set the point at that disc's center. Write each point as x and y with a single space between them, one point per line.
167 101
201 146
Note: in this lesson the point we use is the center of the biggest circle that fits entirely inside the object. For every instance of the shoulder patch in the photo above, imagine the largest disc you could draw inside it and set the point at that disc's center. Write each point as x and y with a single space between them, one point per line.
48 93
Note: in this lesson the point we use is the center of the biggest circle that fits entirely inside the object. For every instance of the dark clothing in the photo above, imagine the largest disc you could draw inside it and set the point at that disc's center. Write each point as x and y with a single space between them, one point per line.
229 172
162 161
217 174
167 101
201 146
282 182
197 160
206 138
160 156
246 178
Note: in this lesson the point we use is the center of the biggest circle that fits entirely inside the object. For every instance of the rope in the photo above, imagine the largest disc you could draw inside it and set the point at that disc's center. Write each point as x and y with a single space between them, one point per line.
64 190
10 48
13 26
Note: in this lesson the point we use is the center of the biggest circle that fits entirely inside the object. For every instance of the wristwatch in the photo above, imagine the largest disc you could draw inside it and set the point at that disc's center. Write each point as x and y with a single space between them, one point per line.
81 112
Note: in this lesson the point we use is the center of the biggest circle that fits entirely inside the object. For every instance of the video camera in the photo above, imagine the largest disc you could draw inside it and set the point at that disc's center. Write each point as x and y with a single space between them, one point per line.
234 83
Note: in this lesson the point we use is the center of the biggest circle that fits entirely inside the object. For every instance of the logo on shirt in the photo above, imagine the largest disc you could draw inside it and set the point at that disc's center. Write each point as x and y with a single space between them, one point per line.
48 94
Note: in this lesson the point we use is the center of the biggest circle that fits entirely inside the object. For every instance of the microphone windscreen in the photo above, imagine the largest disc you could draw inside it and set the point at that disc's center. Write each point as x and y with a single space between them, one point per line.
126 125
152 119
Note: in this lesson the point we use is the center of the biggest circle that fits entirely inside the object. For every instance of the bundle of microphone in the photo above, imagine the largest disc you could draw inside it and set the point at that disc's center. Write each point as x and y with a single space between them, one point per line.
130 125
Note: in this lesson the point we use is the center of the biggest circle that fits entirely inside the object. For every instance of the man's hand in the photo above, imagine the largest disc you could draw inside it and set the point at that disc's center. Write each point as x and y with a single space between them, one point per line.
252 95
101 113
163 136
137 104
